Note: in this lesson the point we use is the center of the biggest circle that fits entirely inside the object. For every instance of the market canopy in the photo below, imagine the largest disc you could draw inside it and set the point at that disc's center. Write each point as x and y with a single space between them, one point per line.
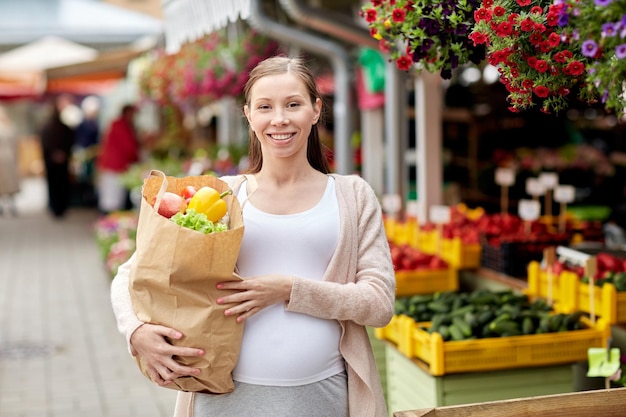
187 20
22 69
47 52
95 24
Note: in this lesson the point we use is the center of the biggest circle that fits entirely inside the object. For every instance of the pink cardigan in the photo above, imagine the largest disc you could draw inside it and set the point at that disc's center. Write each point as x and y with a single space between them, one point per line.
358 290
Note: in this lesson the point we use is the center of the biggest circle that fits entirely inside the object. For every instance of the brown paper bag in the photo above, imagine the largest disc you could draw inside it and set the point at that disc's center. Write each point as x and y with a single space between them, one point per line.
173 279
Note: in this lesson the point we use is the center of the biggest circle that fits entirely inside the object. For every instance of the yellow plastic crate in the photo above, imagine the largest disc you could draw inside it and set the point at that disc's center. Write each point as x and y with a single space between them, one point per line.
488 354
608 303
453 251
401 232
540 285
392 331
427 241
426 281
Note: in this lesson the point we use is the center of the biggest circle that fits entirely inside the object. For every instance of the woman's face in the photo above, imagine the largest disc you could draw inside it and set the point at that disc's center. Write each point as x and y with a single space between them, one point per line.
281 114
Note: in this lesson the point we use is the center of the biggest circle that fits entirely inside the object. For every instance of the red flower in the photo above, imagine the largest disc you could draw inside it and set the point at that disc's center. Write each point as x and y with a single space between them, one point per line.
499 11
554 39
398 15
482 14
404 63
523 2
479 38
576 68
541 91
370 15
535 38
504 29
527 25
527 84
536 10
541 65
384 46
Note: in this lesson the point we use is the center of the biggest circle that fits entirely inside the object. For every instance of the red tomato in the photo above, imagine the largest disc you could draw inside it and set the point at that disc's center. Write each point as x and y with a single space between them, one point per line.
188 192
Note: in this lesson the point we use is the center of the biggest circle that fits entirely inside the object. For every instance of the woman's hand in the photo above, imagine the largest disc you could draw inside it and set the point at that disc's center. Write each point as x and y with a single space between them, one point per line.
149 342
253 294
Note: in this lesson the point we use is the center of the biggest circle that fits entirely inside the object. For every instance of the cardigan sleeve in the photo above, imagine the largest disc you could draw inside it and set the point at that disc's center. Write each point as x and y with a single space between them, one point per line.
359 284
127 321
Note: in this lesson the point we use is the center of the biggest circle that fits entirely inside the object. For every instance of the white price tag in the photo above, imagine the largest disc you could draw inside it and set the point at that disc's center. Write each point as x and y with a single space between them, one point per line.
534 187
505 177
439 214
549 179
412 208
529 210
564 193
392 203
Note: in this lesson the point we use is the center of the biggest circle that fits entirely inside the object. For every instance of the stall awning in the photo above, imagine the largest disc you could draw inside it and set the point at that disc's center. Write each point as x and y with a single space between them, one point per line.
93 77
187 20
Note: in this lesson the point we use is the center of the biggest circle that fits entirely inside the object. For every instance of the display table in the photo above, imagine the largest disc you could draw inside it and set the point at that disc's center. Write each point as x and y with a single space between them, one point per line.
605 403
410 386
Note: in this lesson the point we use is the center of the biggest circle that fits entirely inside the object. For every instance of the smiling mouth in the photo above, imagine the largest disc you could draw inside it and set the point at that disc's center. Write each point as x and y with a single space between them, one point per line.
281 136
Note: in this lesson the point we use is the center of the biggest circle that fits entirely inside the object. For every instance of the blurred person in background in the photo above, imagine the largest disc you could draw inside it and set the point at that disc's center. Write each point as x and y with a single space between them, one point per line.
85 150
57 140
119 150
9 173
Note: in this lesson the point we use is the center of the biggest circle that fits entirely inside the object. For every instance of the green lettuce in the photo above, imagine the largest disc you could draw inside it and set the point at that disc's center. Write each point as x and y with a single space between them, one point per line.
198 221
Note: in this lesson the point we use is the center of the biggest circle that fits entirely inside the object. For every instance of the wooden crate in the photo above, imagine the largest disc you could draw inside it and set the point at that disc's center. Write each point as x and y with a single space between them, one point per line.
605 403
410 385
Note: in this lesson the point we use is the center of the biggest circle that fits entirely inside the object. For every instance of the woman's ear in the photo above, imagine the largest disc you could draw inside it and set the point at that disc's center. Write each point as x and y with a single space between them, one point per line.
246 111
318 110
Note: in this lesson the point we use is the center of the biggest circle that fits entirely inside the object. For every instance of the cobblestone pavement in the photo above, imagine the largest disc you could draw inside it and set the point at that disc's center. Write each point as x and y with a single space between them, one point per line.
60 351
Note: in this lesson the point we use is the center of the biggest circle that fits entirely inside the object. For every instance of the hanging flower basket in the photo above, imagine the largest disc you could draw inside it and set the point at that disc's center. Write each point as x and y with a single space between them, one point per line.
434 34
538 59
208 69
599 29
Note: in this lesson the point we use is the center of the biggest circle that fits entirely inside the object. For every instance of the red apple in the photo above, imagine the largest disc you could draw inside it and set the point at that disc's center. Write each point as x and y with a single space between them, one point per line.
172 203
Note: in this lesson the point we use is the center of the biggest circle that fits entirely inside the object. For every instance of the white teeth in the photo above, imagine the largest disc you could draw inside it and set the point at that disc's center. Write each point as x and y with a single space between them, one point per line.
281 137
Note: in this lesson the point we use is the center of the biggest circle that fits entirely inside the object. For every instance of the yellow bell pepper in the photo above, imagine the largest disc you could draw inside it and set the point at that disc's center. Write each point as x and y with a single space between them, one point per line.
208 200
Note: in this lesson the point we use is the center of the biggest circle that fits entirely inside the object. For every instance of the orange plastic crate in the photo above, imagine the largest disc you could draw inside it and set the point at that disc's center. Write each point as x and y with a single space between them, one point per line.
488 354
426 281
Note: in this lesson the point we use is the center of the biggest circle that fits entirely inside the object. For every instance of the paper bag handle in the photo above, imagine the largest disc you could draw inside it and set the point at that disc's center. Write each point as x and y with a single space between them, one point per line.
159 196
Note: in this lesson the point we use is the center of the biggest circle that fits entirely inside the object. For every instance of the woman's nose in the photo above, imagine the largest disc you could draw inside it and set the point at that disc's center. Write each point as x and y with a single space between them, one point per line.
280 119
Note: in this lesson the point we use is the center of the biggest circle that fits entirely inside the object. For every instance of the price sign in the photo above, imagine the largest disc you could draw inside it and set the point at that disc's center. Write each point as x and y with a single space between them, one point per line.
564 193
412 208
549 180
534 187
529 210
439 214
392 203
505 177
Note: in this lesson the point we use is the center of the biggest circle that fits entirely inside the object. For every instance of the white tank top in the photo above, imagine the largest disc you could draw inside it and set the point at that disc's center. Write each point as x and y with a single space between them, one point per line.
284 348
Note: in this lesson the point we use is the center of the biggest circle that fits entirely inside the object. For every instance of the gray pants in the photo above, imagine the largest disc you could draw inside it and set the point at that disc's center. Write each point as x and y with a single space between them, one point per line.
326 398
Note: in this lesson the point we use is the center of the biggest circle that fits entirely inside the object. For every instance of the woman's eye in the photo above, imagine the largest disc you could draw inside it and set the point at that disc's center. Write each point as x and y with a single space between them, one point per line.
263 107
293 104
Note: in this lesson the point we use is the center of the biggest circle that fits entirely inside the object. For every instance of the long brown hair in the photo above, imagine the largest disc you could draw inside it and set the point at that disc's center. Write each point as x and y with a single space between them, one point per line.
282 65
